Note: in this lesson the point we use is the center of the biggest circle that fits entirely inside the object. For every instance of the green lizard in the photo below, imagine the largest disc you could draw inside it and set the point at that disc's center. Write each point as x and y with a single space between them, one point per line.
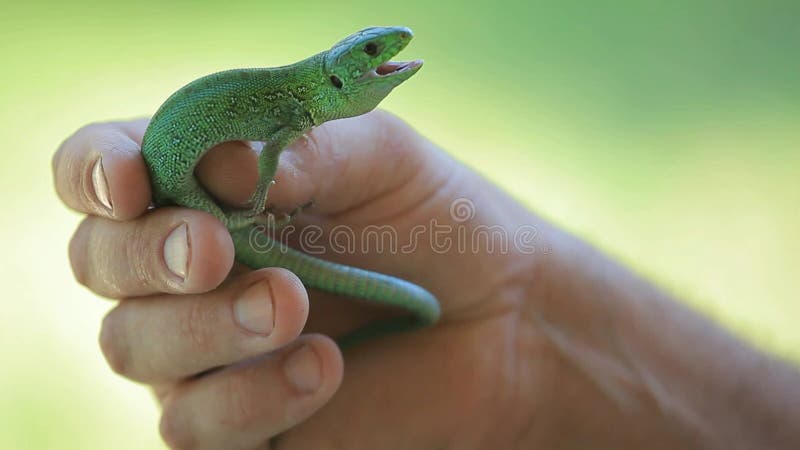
278 106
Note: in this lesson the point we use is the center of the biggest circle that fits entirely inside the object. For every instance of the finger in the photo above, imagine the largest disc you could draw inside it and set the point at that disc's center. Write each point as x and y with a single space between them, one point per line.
246 405
170 250
99 170
230 172
166 338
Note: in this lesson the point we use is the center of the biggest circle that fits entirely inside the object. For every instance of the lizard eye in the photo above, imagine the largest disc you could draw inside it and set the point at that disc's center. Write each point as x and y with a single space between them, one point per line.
336 81
371 49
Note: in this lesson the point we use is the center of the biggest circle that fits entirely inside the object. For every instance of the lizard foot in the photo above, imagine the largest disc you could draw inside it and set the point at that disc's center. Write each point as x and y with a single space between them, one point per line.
237 219
286 218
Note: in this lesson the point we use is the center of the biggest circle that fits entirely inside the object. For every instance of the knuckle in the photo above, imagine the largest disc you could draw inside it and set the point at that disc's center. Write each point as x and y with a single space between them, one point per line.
77 254
114 349
67 167
197 326
173 428
313 139
140 252
317 144
242 409
94 256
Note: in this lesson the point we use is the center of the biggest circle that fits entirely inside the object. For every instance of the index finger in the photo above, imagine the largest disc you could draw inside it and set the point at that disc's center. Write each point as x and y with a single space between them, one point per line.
99 170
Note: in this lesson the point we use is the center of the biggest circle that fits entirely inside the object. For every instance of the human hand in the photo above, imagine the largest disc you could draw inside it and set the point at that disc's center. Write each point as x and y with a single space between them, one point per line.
559 348
225 372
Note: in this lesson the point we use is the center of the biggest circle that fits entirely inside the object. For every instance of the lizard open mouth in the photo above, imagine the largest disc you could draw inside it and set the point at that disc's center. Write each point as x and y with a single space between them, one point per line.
390 68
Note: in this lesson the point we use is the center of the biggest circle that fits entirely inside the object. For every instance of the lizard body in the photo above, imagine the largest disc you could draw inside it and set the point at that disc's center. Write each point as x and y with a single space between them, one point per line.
277 106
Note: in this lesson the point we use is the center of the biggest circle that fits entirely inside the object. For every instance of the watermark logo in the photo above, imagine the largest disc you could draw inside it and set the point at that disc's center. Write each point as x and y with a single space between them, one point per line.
459 232
462 210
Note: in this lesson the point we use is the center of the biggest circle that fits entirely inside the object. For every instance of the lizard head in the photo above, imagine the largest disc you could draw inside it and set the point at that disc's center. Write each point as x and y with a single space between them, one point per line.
359 73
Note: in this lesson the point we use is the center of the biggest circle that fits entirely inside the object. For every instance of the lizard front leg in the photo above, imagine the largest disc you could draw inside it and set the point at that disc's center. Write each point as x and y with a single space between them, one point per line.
267 166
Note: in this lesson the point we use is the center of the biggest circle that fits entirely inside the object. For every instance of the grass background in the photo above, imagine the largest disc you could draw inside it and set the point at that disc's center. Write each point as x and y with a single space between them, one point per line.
665 132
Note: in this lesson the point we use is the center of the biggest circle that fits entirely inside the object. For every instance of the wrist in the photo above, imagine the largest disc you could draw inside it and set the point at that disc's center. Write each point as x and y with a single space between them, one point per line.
605 337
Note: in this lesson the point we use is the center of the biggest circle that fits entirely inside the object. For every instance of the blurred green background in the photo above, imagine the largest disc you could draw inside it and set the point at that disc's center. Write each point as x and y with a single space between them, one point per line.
666 132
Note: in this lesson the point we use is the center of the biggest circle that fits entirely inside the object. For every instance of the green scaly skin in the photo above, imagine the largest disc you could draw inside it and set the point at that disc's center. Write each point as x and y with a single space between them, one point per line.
277 106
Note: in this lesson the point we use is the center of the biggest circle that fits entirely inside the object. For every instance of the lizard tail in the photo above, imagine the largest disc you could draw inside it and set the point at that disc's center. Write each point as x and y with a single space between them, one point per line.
256 250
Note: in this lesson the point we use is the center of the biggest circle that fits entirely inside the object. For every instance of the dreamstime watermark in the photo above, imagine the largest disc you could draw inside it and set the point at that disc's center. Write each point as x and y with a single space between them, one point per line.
460 233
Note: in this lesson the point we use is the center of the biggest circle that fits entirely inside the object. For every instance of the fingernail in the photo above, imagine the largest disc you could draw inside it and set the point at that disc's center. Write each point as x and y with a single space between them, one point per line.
302 369
176 250
253 309
100 184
